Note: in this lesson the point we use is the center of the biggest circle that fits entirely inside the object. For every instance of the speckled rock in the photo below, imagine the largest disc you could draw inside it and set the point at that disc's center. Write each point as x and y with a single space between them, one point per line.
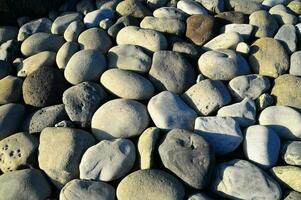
10 89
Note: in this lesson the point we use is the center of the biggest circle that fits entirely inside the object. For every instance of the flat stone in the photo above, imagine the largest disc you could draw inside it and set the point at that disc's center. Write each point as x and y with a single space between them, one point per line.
246 7
8 33
34 26
10 89
108 160
283 15
61 23
132 8
119 118
295 64
191 7
289 176
121 23
170 12
93 18
223 41
291 152
287 35
239 179
283 120
168 111
73 31
153 184
265 25
65 53
245 30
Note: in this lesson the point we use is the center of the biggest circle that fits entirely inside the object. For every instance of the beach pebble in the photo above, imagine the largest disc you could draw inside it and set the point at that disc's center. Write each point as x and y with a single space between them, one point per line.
291 152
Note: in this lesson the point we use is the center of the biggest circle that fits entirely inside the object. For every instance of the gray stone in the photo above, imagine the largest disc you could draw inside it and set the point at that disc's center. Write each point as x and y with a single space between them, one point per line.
295 63
8 33
170 12
132 8
73 31
93 18
34 26
191 7
65 53
288 37
283 15
10 89
61 23
265 25
245 30
291 152
227 40
121 23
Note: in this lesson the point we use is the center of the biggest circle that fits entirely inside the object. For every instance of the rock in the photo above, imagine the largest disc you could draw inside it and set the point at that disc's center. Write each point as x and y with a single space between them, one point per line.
16 151
73 31
97 163
215 6
283 15
11 117
45 117
127 84
243 48
85 189
239 179
165 25
93 18
286 91
95 39
39 42
230 17
132 8
288 37
182 150
200 28
10 50
44 87
129 57
61 23
31 182
85 6
199 196
60 152
245 7
293 195
260 59
153 184
223 41
245 30
121 23
291 152
85 65
168 111
295 64
289 176
283 120
265 25
10 89
170 12
147 147
8 33
119 118
262 146
34 26
171 71
191 7
187 49
207 96
35 62
249 86
222 133
243 112
224 64
5 69
82 100
149 39
65 53
295 7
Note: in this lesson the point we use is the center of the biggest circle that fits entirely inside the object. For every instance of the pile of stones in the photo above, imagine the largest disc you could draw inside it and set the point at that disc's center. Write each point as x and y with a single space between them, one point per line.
153 100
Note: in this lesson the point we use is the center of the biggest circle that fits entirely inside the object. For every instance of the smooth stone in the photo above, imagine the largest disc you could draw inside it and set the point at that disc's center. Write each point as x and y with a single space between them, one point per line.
65 53
86 189
34 26
108 160
5 69
165 25
82 100
85 6
127 84
168 111
283 120
191 7
243 6
85 65
243 48
265 100
240 179
44 87
243 112
31 182
283 15
132 8
153 184
224 64
35 62
61 23
222 133
10 89
171 71
121 23
149 39
16 151
10 50
60 153
289 176
199 196
187 49
200 28
286 91
291 152
39 42
223 41
207 96
295 7
293 195
11 117
231 17
73 31
182 150
170 12
119 118
288 37
265 25
245 30
249 86
295 64
215 6
45 117
147 147
8 33
262 146
93 18
129 57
